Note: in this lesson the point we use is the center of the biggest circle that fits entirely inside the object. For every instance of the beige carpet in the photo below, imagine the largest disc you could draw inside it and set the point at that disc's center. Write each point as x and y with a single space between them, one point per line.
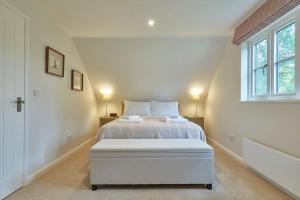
70 181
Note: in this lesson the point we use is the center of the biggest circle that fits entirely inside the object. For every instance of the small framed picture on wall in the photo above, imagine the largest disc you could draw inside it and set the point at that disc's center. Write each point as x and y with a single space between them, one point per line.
55 62
76 80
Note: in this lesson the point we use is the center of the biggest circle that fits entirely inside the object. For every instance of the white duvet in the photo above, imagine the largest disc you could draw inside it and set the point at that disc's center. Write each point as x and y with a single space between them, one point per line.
150 128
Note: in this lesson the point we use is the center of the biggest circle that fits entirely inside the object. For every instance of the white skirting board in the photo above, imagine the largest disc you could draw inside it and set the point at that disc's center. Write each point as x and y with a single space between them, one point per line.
55 162
279 167
231 153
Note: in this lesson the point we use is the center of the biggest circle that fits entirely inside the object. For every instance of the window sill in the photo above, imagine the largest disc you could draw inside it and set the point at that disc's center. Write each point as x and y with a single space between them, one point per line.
270 101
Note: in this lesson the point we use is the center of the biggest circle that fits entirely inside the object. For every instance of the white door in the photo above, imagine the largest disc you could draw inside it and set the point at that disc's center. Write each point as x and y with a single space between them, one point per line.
12 64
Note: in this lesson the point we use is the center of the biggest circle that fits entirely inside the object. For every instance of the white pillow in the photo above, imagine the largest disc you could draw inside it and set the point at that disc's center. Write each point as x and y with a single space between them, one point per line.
169 108
137 108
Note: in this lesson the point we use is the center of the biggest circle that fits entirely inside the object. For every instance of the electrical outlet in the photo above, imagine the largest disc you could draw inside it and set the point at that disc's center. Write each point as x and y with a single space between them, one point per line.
69 137
231 137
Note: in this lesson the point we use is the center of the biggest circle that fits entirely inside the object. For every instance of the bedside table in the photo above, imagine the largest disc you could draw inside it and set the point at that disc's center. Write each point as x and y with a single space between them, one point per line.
197 120
105 120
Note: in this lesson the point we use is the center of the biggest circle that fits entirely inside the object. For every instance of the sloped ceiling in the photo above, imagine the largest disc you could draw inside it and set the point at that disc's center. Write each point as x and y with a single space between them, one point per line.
145 68
119 50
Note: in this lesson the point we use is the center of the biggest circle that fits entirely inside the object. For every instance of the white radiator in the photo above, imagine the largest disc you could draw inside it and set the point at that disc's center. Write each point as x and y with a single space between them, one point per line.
279 167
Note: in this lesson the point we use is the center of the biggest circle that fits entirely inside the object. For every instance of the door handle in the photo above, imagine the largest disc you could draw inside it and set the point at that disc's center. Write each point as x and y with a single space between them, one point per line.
19 103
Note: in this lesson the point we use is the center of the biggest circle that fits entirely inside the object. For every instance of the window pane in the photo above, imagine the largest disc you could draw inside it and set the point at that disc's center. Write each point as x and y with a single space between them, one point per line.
260 70
261 81
286 42
286 77
260 53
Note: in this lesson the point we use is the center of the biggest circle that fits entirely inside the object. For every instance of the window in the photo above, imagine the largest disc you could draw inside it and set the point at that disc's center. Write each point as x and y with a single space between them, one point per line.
269 70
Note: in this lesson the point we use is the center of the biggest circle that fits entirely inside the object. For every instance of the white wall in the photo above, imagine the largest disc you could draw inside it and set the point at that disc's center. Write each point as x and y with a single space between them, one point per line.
273 124
58 111
187 108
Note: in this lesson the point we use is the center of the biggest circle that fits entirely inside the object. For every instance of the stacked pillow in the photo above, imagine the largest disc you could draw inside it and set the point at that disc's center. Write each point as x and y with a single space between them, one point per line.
153 108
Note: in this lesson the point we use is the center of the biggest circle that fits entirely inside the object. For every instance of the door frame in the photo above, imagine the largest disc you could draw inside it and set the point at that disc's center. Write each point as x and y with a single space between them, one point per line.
26 86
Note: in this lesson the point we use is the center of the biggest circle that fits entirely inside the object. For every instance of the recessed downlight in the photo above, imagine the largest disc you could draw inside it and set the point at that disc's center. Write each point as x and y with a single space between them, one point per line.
151 22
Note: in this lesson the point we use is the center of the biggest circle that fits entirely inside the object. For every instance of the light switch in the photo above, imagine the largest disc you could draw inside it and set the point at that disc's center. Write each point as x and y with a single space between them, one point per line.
36 93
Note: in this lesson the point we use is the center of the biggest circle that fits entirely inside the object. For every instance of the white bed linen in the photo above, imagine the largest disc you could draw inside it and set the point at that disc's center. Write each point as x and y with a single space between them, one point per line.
136 120
151 128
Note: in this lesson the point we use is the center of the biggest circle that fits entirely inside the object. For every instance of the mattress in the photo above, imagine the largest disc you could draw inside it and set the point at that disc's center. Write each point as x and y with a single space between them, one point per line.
151 128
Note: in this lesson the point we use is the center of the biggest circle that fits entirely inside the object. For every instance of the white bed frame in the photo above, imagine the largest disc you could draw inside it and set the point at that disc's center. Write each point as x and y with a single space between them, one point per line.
151 161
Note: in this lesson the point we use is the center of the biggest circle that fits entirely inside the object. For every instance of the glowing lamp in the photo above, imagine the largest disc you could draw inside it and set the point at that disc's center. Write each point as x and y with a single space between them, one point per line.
106 96
196 93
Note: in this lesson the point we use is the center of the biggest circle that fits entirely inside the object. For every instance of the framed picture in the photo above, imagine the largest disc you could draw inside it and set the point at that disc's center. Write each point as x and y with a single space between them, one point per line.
55 62
76 80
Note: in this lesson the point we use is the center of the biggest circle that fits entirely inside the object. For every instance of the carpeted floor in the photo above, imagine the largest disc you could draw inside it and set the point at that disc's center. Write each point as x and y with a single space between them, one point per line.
70 181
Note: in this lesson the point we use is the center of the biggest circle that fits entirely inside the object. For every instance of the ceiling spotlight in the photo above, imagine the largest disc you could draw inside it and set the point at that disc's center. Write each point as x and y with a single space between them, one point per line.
151 22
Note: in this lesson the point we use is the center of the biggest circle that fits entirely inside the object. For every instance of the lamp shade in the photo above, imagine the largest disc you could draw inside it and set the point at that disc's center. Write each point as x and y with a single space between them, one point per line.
106 93
196 97
106 97
196 92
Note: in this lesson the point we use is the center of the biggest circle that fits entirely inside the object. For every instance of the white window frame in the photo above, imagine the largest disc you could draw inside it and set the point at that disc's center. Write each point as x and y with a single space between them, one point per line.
247 61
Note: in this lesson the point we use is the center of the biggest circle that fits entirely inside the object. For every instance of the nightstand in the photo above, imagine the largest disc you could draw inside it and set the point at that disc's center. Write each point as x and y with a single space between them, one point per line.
105 120
197 120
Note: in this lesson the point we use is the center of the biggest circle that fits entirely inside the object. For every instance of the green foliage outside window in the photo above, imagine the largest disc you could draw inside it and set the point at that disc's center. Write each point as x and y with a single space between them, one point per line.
284 66
260 68
285 72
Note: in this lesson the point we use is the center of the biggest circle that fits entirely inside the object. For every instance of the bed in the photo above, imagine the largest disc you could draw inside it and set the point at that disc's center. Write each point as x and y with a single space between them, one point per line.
151 128
154 147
